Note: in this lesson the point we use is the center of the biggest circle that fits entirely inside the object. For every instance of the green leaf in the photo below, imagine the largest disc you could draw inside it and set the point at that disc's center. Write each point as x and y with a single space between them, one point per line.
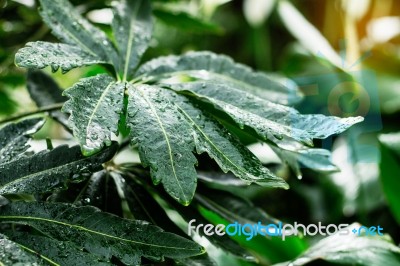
389 169
73 29
185 21
269 120
39 55
12 253
49 170
14 138
55 252
100 233
95 105
164 140
351 249
224 148
132 28
218 69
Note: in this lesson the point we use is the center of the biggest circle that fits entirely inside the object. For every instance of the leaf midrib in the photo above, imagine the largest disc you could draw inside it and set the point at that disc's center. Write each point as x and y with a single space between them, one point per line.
81 228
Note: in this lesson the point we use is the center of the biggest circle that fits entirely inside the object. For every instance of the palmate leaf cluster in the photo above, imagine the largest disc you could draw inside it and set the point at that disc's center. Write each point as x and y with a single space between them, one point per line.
174 106
76 206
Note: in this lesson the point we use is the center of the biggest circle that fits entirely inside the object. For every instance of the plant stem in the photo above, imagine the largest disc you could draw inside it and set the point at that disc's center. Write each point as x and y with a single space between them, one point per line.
48 108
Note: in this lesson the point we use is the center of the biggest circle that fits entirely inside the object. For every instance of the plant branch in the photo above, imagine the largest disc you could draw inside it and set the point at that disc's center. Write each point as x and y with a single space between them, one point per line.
48 108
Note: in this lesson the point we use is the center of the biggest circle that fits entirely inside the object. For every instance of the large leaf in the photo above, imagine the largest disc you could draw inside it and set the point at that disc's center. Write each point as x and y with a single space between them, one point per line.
269 120
44 91
132 28
72 28
12 253
49 170
222 69
389 169
14 138
55 252
56 55
100 233
95 105
164 140
351 249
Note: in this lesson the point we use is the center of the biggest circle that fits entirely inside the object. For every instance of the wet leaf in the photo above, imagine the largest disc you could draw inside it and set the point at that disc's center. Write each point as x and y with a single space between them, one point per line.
55 252
70 27
100 233
50 170
207 66
164 141
95 105
132 28
37 55
14 138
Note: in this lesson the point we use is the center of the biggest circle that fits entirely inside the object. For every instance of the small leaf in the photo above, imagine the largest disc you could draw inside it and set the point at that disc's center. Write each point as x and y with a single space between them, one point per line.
215 68
164 140
71 28
100 233
39 55
14 138
269 120
95 105
12 253
351 249
132 27
49 170
55 252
